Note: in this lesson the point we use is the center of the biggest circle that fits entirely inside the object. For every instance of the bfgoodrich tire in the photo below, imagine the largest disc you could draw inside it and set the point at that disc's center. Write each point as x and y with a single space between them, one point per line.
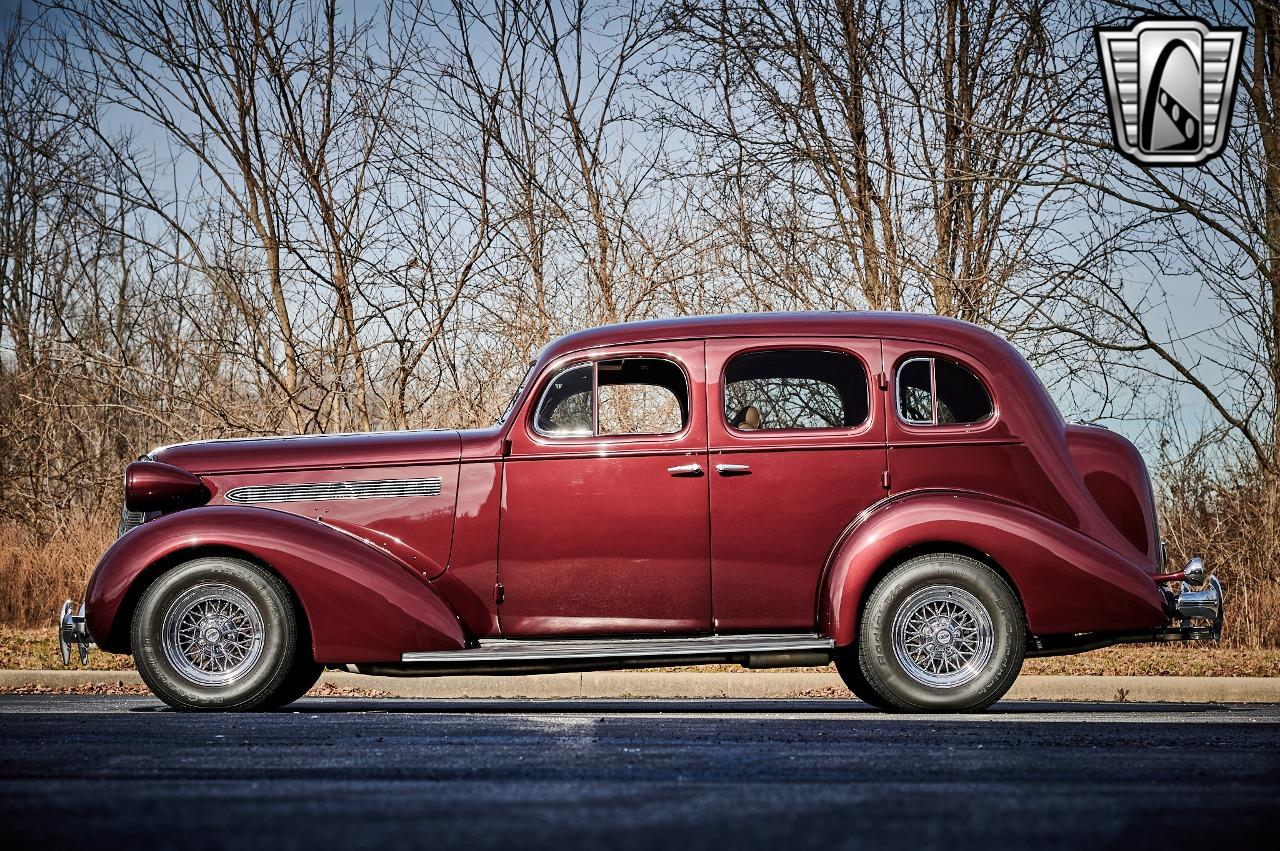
304 675
850 671
940 633
220 633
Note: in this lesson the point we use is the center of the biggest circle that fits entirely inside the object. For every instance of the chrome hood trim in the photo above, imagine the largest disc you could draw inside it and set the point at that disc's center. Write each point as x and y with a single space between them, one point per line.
311 491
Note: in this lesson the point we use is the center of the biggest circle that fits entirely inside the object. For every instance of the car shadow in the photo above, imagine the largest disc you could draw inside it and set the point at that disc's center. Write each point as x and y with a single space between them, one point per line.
711 706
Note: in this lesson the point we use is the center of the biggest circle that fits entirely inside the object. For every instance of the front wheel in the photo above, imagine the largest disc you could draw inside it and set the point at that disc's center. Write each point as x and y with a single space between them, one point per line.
940 633
220 633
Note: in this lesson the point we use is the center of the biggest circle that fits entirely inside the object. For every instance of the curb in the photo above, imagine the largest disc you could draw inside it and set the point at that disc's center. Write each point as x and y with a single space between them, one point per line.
693 685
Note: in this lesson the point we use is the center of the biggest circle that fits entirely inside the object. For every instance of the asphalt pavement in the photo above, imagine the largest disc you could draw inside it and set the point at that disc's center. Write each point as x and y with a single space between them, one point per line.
105 772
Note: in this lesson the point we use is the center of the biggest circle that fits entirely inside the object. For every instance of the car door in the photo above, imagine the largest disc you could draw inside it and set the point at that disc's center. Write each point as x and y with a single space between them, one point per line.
945 426
797 450
604 525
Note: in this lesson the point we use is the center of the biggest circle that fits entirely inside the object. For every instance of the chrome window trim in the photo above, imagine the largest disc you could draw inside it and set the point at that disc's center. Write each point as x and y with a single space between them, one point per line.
546 388
595 402
933 392
319 491
867 375
933 389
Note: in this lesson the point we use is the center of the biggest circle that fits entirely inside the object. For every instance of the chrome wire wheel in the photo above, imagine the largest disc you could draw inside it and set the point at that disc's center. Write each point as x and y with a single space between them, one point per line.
212 634
943 636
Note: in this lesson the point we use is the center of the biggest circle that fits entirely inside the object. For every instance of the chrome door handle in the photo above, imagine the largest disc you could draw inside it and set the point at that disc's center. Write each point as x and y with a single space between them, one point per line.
686 470
733 469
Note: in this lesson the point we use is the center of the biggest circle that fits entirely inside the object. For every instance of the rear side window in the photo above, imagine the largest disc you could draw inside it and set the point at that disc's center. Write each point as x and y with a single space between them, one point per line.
937 391
795 389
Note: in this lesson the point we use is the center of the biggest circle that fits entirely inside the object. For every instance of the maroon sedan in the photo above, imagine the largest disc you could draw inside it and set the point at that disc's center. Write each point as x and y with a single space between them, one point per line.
894 493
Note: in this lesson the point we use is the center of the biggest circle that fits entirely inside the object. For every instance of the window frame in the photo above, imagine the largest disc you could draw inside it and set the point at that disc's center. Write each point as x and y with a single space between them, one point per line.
594 361
933 391
933 424
542 398
763 433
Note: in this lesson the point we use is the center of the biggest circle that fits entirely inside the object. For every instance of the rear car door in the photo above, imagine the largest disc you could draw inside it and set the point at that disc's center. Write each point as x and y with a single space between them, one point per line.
796 450
945 426
604 526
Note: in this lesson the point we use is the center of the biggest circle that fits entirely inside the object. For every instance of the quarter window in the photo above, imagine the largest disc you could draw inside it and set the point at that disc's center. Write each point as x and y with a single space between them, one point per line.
565 409
615 397
795 389
937 391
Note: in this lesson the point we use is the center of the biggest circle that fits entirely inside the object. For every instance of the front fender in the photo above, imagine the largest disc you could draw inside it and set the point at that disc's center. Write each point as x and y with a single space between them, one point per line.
1068 582
362 605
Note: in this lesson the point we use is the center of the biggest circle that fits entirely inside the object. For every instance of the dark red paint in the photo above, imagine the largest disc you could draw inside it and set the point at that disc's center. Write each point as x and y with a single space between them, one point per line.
362 604
594 535
152 486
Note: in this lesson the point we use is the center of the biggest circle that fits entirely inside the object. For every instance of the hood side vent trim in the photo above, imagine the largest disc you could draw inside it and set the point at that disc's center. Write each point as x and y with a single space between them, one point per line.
315 491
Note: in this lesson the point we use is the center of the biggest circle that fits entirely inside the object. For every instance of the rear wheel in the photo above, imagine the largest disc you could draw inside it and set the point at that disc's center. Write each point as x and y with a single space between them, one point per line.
940 633
220 633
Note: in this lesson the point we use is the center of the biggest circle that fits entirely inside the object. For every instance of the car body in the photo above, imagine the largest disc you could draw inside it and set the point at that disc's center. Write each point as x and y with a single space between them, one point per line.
729 488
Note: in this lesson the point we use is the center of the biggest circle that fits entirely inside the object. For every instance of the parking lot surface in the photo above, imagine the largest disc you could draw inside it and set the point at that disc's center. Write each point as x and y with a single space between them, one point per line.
111 772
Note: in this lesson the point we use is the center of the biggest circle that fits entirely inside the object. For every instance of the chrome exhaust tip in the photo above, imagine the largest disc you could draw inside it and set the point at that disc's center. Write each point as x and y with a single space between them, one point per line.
72 631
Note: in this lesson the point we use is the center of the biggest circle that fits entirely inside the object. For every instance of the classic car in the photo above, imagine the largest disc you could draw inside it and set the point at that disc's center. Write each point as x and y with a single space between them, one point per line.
893 493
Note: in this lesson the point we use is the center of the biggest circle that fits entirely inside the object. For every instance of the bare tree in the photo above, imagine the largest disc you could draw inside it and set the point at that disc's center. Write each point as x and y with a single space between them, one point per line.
1166 237
904 137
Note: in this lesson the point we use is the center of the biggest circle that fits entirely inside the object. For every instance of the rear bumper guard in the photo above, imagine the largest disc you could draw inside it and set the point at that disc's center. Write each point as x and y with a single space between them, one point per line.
72 632
1203 605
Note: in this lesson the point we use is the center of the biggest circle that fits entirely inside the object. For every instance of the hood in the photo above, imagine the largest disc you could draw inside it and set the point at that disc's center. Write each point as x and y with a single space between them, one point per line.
312 452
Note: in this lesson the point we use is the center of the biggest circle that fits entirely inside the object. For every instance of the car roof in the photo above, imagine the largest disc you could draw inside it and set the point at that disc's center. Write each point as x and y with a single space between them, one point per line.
885 324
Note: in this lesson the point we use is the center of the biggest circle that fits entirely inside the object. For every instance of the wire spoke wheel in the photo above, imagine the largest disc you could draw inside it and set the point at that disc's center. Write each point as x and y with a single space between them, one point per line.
943 636
212 634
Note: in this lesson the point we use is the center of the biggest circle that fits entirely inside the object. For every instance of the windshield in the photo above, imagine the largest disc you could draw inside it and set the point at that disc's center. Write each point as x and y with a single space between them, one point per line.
528 373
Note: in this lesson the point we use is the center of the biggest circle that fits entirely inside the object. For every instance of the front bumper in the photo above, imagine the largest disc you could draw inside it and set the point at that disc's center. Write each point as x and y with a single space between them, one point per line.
72 632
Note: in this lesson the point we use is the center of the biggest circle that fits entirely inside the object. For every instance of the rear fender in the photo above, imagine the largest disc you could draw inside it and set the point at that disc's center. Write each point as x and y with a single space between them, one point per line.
1067 582
361 604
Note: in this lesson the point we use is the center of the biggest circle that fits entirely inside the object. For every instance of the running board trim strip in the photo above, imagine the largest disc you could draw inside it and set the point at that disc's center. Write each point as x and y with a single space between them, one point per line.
538 649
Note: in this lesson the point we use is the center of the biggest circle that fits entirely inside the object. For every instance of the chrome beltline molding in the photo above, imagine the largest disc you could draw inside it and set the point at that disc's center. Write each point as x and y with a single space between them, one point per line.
315 491
532 649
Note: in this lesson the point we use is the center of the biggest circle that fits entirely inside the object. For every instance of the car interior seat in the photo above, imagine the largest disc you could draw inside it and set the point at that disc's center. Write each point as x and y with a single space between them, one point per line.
748 419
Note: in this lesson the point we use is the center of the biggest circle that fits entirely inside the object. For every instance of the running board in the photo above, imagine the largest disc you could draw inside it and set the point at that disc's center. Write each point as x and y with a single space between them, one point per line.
537 649
541 655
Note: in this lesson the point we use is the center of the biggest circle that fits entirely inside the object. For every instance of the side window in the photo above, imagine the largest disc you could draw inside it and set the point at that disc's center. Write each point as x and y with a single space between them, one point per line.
615 397
795 389
915 391
641 396
937 391
565 408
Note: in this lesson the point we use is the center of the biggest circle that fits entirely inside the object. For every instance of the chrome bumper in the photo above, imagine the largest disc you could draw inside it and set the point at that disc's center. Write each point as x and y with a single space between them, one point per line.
73 632
1198 613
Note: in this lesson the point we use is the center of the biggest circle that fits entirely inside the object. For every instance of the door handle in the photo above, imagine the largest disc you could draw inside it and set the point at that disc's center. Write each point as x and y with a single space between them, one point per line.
733 469
686 470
